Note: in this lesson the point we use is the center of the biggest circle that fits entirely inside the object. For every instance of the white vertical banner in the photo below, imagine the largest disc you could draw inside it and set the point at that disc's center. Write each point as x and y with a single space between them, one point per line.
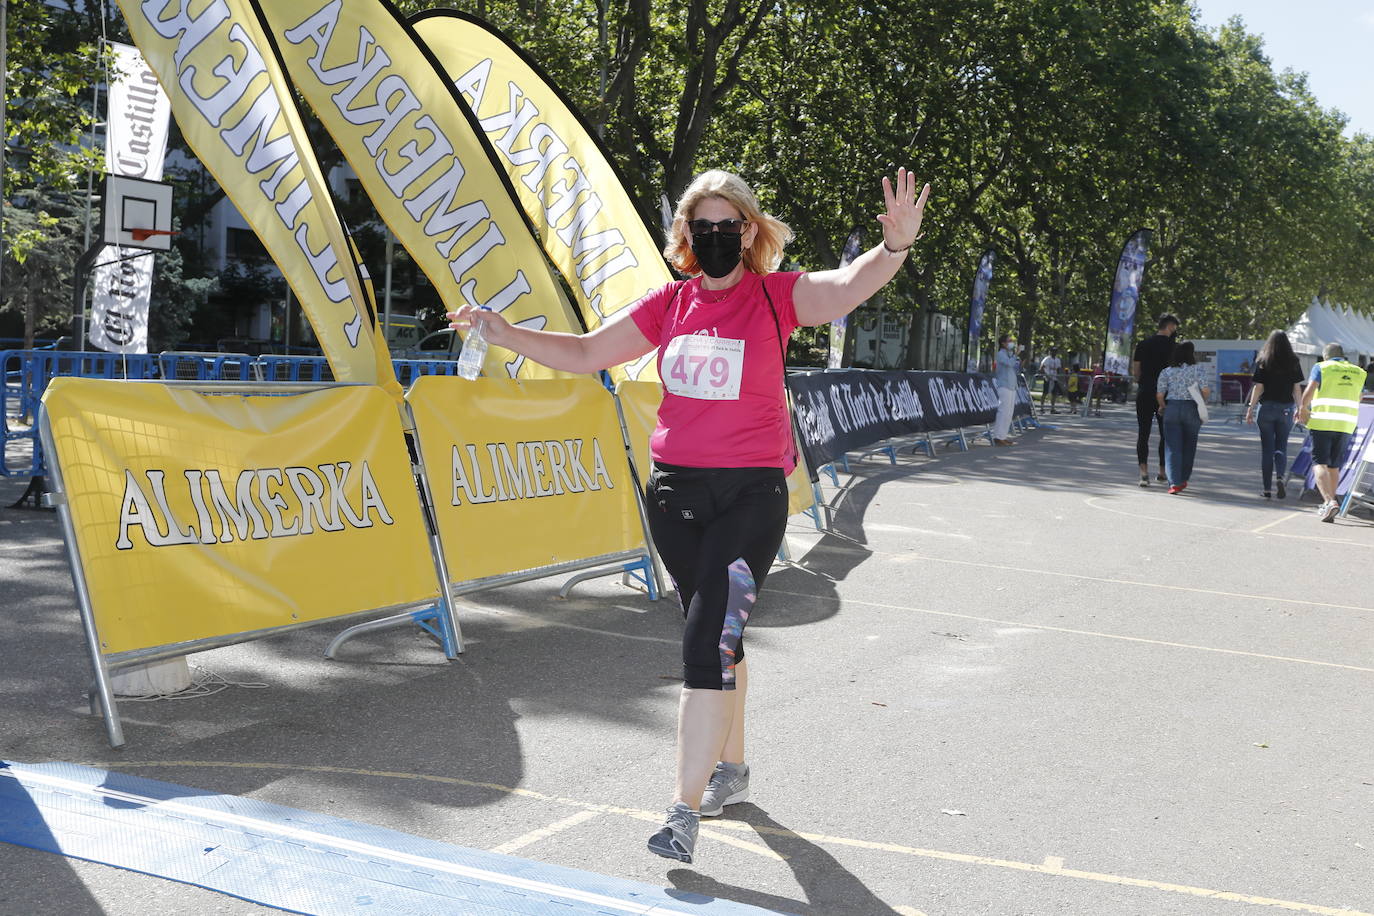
135 145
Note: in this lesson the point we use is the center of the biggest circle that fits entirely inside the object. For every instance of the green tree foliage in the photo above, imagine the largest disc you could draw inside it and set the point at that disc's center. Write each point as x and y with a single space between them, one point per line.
1050 129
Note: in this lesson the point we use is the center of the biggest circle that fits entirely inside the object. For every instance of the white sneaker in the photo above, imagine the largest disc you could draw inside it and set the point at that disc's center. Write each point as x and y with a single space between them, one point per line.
1330 510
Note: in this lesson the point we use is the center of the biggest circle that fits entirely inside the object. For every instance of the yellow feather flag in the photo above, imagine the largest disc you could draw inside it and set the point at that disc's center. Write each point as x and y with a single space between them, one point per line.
235 109
422 160
563 177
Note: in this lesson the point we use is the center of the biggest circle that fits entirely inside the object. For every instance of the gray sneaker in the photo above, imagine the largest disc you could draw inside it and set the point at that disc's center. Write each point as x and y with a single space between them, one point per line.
678 836
729 784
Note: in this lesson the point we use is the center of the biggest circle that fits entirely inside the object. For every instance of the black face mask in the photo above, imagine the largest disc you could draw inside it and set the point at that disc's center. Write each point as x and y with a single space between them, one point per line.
717 253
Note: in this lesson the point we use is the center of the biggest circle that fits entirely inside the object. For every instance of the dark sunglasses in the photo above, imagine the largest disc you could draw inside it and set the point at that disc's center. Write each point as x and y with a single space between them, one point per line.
724 226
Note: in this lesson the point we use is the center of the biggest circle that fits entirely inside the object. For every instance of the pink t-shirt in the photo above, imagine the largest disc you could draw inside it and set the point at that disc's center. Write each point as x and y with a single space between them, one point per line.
722 370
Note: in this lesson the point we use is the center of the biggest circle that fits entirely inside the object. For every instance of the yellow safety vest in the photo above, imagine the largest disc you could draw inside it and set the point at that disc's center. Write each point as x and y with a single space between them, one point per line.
1336 406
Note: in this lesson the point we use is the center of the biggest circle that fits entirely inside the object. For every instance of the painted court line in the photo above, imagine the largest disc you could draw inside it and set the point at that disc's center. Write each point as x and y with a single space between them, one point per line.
1094 502
31 545
1052 865
536 621
543 833
1278 521
1072 631
1162 585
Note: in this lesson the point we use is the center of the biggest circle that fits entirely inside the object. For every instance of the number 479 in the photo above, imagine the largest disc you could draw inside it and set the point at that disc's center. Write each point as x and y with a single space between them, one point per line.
719 369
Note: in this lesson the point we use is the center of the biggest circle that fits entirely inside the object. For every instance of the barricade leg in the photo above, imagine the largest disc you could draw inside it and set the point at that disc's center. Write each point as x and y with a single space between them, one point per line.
626 569
1356 490
421 617
34 492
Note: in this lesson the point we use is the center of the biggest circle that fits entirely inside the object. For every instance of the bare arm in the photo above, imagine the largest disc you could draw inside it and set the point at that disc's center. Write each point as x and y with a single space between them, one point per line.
1135 369
824 295
1256 392
616 341
1305 404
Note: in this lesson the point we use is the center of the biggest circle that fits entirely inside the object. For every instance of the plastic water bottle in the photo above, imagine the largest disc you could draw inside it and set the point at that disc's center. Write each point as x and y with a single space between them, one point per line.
474 351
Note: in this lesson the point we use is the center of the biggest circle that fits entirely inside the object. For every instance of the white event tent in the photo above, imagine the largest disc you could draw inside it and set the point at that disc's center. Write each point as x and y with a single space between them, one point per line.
1322 324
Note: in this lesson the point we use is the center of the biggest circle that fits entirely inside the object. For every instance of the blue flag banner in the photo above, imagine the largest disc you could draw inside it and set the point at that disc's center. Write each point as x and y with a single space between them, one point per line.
977 300
1130 270
852 247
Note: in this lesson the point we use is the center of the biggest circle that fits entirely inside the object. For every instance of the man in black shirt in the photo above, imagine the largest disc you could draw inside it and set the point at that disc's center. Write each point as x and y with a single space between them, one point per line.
1151 357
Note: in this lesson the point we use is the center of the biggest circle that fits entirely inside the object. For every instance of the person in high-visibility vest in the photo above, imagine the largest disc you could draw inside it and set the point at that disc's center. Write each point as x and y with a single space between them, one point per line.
1330 409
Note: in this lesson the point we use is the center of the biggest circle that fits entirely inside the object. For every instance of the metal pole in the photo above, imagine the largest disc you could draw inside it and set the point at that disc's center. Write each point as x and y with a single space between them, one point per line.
4 56
104 691
386 288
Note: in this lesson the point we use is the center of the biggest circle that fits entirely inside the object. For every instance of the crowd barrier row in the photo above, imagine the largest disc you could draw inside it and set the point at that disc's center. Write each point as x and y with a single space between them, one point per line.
27 374
200 513
858 412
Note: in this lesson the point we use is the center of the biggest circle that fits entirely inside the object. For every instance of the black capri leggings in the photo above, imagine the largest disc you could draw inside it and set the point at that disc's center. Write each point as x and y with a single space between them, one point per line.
718 531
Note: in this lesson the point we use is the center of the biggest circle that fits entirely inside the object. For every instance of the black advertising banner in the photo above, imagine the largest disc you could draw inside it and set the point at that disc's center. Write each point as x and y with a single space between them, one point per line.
850 410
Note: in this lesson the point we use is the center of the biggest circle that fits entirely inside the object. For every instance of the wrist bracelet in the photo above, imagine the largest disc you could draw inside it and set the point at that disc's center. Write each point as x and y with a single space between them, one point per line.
891 250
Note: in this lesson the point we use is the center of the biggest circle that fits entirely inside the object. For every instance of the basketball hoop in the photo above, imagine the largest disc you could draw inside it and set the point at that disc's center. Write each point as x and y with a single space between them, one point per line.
142 235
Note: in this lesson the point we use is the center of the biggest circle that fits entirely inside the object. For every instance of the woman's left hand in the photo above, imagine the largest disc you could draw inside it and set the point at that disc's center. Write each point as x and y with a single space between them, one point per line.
902 221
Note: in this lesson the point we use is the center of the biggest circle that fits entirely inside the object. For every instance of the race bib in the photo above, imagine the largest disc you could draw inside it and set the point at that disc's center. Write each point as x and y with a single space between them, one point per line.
703 367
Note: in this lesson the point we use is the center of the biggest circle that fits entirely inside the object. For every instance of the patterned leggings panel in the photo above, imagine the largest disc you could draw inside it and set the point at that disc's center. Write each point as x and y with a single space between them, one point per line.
717 531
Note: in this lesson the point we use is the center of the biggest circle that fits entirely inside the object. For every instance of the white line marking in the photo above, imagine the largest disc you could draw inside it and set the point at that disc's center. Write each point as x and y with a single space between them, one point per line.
31 544
534 836
1135 582
1092 502
536 620
1070 630
1282 518
1054 863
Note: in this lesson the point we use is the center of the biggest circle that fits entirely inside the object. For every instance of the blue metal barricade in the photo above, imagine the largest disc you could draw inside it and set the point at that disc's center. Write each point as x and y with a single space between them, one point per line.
293 369
408 370
27 373
203 367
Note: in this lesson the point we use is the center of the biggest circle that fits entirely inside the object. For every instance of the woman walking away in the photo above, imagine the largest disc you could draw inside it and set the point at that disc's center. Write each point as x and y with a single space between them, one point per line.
1181 419
1277 389
717 494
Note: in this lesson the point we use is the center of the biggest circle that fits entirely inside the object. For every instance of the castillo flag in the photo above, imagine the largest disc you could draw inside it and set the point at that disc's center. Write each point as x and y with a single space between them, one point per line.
561 175
1130 271
235 109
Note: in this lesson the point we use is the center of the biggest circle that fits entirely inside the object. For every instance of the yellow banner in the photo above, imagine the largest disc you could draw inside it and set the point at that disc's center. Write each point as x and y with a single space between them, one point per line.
236 111
422 160
524 474
564 179
639 401
199 516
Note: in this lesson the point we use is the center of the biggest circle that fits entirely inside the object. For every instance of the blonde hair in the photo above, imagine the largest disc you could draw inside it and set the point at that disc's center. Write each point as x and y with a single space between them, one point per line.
771 234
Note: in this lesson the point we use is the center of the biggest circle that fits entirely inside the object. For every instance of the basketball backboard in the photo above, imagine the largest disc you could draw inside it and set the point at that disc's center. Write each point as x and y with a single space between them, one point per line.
138 213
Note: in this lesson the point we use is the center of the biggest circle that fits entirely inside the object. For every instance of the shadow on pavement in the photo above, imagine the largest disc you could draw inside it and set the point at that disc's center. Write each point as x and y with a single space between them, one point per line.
827 886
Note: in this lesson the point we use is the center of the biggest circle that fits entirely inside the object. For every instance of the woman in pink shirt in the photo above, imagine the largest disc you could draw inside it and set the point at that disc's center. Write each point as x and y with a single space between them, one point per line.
717 495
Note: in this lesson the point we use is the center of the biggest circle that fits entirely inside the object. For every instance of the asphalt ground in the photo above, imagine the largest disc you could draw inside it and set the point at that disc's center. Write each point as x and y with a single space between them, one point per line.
1008 681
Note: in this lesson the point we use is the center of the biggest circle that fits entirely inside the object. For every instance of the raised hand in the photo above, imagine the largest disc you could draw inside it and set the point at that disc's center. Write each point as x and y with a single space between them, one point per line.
902 221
